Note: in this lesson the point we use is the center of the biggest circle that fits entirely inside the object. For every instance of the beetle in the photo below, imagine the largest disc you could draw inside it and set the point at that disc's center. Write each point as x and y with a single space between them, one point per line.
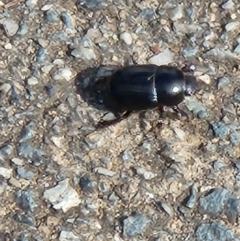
143 87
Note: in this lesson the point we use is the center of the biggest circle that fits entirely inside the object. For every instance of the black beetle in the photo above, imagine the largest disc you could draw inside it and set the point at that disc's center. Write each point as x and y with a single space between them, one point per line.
142 87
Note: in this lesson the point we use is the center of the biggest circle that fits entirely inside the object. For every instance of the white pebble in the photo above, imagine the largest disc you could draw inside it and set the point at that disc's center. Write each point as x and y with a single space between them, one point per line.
32 81
58 62
228 5
5 88
62 196
62 74
104 171
43 42
165 57
126 37
46 7
10 26
180 133
47 68
146 174
8 46
31 3
237 49
232 26
18 161
186 28
205 78
68 236
6 173
176 13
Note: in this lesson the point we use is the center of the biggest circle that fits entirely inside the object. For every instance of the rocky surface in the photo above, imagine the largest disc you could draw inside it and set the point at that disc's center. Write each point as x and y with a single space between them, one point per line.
61 179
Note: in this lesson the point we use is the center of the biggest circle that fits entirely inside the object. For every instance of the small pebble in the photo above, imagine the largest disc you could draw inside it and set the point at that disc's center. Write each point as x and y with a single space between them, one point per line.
92 4
68 236
217 165
104 171
191 202
43 42
24 173
126 37
234 138
46 7
205 78
5 172
86 184
212 203
166 208
5 88
10 26
32 81
214 231
23 29
31 3
25 200
163 58
222 81
228 5
176 13
232 26
83 53
18 161
146 174
63 196
8 46
220 129
62 74
237 49
134 224
52 16
67 19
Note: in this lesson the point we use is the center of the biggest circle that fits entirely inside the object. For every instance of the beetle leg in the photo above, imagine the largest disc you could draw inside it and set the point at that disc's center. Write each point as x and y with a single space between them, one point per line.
178 110
102 124
162 112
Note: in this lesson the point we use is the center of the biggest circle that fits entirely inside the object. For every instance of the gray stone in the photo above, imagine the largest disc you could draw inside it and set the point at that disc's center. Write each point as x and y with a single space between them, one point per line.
67 19
218 165
196 107
5 172
10 26
52 16
86 184
192 198
5 152
234 138
212 202
41 55
220 129
25 201
92 4
214 232
23 28
68 236
24 173
236 96
232 209
222 82
26 134
63 196
27 151
83 53
134 224
23 219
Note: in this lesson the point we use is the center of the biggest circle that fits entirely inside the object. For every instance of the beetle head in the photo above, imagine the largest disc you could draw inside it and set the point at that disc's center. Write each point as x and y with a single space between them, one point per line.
191 85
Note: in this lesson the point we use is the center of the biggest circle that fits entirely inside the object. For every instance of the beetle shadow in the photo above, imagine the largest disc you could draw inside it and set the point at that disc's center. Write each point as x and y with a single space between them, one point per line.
91 85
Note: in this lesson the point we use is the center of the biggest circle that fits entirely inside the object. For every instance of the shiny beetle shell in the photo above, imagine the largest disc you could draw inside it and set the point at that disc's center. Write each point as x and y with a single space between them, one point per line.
147 86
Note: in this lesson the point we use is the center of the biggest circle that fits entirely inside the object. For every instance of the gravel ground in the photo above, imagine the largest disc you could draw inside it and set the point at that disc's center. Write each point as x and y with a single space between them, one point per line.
60 179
